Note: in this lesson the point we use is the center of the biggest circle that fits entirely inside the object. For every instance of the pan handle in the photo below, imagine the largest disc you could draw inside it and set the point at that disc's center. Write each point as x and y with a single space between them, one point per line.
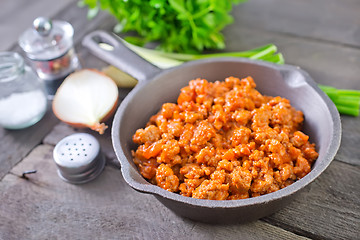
110 49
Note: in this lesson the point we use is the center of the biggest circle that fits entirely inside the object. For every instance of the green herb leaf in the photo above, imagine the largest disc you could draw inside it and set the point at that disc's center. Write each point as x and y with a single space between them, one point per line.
178 5
188 26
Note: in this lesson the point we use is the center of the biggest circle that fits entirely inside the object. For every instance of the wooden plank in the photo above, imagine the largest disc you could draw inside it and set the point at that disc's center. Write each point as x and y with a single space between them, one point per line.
17 16
106 208
16 144
335 21
255 230
327 63
78 19
328 208
349 150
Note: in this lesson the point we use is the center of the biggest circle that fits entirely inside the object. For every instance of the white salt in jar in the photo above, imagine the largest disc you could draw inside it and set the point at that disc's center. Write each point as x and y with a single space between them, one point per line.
23 99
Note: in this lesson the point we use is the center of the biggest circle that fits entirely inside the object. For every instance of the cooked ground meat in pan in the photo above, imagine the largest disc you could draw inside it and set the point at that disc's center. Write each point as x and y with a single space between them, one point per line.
224 141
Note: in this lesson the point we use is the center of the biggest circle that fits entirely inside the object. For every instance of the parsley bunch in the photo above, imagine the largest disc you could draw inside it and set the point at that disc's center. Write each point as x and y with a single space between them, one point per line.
187 26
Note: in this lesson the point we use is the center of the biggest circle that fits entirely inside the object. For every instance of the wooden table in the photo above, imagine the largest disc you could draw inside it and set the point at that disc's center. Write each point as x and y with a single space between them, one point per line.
322 37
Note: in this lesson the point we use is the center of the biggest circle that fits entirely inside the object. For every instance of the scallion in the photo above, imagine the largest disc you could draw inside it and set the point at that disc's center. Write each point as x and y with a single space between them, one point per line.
165 59
347 101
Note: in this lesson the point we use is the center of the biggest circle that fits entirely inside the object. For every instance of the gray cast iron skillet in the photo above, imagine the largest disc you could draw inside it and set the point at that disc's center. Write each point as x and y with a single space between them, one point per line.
156 86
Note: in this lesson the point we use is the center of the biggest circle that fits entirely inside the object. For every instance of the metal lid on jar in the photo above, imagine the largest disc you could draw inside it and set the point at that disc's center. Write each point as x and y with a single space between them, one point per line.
47 39
79 158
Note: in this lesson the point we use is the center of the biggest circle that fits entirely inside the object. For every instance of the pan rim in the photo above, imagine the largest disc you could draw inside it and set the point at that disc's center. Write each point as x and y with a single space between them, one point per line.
277 195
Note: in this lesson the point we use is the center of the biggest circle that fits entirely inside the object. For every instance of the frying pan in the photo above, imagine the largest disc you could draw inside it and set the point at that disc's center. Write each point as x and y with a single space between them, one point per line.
156 86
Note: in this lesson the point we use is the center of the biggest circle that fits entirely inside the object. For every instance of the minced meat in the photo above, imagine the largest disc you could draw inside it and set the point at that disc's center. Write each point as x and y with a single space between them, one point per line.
224 140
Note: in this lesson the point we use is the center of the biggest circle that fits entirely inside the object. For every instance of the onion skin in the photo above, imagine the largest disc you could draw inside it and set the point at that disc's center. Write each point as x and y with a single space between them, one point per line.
99 126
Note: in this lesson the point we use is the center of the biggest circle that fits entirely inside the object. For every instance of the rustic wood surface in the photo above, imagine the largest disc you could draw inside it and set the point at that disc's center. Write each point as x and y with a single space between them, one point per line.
322 37
16 16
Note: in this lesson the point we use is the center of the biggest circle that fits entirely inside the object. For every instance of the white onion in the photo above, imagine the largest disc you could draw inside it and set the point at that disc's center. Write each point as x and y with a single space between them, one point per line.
86 98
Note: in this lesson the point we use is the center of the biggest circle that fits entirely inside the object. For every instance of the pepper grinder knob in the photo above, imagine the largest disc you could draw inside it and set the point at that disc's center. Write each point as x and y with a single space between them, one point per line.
42 25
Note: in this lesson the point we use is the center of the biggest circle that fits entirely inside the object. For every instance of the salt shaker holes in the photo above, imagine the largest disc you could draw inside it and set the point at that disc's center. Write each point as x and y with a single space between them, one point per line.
76 165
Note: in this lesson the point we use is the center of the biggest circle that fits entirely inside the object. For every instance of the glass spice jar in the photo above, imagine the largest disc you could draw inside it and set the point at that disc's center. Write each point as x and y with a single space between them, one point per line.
23 100
49 46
